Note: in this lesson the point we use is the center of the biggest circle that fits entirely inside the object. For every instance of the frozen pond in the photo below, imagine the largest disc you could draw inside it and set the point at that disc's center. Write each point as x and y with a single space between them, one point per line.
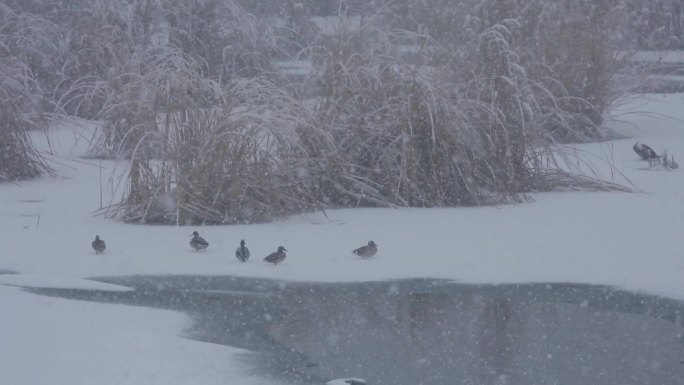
426 331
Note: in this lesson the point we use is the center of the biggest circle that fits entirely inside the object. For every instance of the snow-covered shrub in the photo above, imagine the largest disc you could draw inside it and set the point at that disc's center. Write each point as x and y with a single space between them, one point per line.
234 161
35 41
231 41
240 161
148 88
452 128
98 42
576 44
20 98
389 117
19 114
570 47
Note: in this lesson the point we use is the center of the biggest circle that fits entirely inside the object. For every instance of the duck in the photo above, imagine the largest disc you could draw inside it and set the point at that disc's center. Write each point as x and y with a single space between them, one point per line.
242 252
197 242
99 245
645 152
367 251
276 257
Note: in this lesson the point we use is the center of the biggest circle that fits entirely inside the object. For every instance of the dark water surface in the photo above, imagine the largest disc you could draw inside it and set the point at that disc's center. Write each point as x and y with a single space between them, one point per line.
425 331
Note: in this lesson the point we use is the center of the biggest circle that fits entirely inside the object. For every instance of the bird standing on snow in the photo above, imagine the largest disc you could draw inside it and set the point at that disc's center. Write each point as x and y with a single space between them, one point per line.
242 252
99 245
277 257
644 151
367 251
197 242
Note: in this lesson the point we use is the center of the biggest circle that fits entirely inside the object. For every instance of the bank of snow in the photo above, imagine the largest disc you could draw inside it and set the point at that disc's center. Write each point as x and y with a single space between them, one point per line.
629 240
51 341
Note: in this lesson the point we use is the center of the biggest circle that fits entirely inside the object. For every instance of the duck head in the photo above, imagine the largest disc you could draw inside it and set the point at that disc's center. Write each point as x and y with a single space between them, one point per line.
281 249
195 234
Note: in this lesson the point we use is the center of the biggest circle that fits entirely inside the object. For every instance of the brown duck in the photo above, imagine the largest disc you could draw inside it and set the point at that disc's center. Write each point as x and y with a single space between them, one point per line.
276 257
367 251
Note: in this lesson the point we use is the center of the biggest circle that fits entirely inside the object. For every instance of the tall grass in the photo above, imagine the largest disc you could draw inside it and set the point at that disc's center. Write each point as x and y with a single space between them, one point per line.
447 125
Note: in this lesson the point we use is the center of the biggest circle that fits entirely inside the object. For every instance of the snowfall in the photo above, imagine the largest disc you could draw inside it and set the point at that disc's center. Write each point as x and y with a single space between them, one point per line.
633 241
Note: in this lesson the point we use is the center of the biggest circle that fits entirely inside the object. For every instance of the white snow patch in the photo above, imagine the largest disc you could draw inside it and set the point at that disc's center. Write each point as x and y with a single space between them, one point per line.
51 341
57 282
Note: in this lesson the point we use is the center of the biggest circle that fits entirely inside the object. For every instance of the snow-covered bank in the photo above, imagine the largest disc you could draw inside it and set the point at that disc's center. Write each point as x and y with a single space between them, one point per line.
56 282
51 341
627 240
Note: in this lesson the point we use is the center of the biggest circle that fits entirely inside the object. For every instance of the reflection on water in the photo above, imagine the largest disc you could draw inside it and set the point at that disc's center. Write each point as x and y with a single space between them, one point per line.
428 332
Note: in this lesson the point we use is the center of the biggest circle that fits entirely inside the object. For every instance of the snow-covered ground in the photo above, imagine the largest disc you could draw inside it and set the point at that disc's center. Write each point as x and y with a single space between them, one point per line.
629 240
52 341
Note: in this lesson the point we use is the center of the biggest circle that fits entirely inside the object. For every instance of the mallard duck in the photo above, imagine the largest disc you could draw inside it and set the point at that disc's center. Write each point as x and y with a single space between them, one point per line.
242 252
644 151
197 242
277 257
367 251
99 245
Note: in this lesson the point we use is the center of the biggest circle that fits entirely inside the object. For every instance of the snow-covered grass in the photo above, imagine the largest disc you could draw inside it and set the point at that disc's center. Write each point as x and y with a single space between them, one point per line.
629 240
